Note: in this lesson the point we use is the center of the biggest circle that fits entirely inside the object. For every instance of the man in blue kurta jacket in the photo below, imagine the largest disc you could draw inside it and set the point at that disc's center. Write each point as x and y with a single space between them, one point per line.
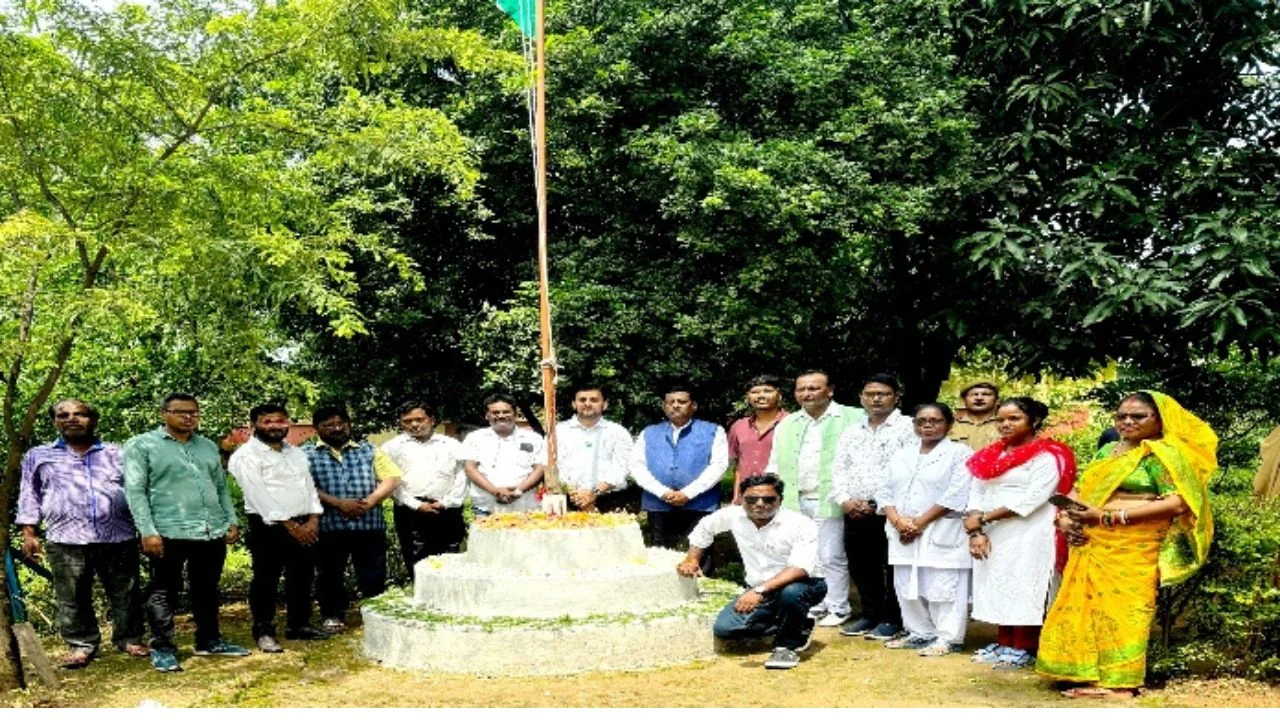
678 463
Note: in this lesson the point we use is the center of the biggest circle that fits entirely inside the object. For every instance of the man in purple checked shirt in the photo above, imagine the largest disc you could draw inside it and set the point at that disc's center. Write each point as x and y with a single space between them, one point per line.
75 486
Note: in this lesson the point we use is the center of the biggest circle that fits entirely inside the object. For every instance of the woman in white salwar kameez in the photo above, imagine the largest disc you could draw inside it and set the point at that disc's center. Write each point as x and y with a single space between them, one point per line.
1011 530
922 497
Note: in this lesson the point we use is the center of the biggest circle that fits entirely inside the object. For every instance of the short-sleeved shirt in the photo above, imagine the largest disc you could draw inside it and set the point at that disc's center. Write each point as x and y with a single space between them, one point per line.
976 435
504 462
350 473
789 540
749 447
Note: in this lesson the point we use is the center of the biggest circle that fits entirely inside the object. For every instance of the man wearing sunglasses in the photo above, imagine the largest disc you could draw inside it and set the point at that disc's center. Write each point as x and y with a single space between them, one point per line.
779 549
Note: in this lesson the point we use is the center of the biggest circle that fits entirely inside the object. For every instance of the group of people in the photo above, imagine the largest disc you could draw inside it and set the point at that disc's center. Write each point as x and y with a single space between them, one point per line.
923 512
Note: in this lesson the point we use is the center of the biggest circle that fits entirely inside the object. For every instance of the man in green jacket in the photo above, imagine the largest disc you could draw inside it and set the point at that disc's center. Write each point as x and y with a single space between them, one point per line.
804 451
177 491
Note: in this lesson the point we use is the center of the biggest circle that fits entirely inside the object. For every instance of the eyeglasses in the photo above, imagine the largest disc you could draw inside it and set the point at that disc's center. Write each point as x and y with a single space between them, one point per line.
878 395
922 422
1136 417
759 500
185 413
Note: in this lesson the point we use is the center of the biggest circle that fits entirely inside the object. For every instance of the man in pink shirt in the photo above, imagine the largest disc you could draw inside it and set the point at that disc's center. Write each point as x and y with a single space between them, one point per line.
751 437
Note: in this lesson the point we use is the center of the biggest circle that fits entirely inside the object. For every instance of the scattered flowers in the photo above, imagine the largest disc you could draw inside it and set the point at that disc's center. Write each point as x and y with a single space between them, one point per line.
543 521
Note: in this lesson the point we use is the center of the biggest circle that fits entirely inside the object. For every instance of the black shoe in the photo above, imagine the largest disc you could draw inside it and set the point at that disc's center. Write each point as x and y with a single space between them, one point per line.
306 633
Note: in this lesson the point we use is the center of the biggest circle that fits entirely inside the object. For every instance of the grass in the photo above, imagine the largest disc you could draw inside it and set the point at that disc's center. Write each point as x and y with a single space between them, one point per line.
837 672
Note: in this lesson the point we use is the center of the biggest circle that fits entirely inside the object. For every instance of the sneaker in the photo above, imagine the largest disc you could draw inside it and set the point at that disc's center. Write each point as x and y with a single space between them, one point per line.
268 644
333 625
860 627
833 620
1014 660
817 611
909 642
782 659
884 631
994 656
808 635
223 648
306 633
165 661
988 653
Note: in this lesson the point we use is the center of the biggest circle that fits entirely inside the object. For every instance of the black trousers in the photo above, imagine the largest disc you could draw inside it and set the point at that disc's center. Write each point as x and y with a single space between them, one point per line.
867 548
367 551
203 561
424 534
671 528
275 553
116 567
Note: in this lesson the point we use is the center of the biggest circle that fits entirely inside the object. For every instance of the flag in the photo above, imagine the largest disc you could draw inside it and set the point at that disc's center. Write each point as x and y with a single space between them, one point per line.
522 12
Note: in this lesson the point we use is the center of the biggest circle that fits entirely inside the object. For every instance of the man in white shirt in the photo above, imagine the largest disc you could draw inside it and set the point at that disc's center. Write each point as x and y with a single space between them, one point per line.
862 461
503 462
678 464
284 510
779 550
593 452
428 503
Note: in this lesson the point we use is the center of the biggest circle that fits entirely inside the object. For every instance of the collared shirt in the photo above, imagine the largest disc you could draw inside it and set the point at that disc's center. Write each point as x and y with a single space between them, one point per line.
432 469
862 458
177 489
588 456
505 462
706 480
976 435
809 461
788 540
80 498
749 447
277 484
352 473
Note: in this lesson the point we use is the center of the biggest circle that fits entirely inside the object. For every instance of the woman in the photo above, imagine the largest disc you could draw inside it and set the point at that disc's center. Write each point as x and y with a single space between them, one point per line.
1011 530
924 493
1145 523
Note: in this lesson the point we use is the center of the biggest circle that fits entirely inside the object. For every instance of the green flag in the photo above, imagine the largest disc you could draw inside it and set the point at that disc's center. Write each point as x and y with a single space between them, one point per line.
522 12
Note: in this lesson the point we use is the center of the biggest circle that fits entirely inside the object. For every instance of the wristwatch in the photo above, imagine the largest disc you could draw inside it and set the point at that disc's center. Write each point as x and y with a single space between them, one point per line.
760 590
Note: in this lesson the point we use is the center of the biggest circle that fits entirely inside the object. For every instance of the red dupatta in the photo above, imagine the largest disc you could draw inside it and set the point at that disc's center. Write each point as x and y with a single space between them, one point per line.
992 461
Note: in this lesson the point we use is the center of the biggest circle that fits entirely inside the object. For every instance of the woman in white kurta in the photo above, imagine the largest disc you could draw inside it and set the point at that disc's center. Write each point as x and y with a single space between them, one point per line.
1011 531
922 496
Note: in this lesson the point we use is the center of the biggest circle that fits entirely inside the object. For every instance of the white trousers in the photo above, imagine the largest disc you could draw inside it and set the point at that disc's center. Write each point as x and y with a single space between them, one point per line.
833 564
934 602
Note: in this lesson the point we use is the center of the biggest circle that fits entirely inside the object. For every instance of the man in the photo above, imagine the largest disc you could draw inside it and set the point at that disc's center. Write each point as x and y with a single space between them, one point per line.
177 492
861 462
75 486
751 437
803 456
503 462
678 464
975 424
283 508
428 503
593 452
352 479
779 550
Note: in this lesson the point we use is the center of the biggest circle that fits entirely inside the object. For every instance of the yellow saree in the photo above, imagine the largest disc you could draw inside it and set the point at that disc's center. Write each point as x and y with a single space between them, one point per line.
1099 625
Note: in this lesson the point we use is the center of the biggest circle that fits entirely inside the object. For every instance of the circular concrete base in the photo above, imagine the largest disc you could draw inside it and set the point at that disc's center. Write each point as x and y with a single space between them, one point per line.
403 635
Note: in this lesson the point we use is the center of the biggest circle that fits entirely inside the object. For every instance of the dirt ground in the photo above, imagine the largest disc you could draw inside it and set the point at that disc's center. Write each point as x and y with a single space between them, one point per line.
836 672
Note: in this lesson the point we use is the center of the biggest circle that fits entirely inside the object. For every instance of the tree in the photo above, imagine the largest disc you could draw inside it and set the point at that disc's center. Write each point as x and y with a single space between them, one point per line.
172 175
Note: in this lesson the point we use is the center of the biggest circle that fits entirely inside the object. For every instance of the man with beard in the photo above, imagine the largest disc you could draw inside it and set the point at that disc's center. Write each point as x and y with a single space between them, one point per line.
284 524
804 452
177 492
352 479
751 437
75 486
594 452
975 424
428 503
779 550
678 464
503 462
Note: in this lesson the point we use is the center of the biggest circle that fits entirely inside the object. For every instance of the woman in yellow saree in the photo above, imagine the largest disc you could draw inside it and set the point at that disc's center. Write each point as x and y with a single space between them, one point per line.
1144 523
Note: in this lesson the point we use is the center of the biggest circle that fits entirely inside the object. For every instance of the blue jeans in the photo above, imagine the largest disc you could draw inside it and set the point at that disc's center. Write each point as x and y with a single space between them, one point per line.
783 614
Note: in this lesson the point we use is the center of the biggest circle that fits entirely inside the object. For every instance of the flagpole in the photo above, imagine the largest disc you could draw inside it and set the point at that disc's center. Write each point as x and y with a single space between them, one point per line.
551 479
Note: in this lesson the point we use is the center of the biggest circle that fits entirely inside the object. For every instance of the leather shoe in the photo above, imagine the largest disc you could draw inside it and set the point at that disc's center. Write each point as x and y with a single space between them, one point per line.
306 633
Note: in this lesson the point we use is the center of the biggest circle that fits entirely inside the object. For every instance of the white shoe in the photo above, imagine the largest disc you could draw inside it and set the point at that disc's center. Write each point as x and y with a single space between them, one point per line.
833 620
817 611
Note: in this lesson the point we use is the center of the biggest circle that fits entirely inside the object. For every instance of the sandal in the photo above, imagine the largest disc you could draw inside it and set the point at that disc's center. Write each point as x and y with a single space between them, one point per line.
937 649
1093 691
1014 660
76 659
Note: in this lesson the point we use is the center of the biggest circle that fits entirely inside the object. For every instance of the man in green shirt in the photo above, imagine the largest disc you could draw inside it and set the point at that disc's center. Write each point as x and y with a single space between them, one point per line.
177 492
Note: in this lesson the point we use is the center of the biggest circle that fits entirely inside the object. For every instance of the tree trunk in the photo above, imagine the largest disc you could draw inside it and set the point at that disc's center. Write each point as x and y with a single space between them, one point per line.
11 676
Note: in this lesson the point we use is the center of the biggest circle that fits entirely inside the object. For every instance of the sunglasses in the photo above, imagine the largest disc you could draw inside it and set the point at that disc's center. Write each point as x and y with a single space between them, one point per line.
759 500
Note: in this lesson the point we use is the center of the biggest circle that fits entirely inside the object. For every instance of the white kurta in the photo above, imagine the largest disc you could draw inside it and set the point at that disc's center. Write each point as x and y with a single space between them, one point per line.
1011 587
913 484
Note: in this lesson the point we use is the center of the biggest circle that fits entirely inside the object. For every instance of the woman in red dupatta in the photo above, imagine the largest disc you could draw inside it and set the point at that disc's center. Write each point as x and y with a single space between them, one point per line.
1012 537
